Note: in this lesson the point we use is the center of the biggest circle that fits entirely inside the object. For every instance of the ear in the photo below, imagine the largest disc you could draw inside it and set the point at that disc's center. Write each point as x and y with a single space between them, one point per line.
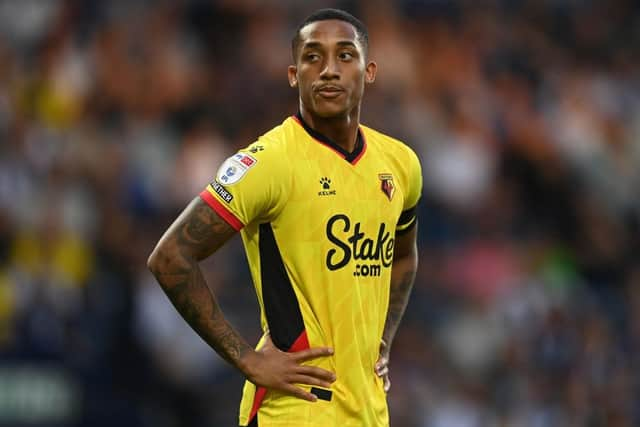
292 72
370 72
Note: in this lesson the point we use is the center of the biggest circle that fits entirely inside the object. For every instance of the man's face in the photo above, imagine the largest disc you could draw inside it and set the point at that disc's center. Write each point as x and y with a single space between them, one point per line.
330 70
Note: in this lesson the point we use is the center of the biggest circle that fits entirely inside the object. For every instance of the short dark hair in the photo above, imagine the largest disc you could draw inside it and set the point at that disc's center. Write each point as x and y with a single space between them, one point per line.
327 14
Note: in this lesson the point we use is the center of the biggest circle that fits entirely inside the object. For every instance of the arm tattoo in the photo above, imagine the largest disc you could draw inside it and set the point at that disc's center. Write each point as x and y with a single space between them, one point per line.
398 299
195 235
202 231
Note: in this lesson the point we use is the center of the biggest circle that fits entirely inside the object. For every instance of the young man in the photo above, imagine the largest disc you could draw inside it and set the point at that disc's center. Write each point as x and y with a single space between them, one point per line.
326 210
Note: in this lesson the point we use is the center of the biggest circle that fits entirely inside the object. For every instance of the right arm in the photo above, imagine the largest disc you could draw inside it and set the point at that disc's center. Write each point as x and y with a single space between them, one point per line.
194 235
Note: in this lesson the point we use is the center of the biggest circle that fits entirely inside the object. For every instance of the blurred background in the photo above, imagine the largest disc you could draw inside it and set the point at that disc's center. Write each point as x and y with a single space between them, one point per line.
525 113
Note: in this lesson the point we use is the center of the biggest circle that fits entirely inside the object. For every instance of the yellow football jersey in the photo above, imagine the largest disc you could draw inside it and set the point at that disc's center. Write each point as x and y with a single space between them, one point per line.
318 225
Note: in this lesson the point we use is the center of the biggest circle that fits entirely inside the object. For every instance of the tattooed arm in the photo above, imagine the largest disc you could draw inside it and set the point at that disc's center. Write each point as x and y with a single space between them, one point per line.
403 273
197 233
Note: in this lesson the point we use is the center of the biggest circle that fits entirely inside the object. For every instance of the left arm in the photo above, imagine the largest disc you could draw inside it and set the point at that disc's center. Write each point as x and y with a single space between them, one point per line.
403 274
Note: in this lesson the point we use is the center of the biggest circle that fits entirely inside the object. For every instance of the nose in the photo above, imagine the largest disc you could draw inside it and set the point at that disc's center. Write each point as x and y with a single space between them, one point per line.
331 69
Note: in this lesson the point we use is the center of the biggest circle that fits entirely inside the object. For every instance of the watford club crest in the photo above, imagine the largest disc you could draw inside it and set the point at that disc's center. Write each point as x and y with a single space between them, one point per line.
386 184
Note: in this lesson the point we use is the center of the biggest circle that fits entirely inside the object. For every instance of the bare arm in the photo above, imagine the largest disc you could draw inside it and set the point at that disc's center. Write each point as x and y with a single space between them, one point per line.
403 274
194 235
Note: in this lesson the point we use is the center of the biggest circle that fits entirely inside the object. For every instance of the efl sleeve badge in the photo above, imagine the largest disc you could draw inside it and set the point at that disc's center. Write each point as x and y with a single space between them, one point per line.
234 168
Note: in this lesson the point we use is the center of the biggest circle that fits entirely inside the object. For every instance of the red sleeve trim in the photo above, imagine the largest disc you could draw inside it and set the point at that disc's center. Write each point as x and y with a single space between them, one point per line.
224 213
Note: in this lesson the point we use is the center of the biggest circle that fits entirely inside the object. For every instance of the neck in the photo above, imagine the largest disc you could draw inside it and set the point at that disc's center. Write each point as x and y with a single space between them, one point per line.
342 130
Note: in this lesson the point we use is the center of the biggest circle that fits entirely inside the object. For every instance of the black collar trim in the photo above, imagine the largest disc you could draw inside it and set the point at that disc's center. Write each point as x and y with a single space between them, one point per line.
352 157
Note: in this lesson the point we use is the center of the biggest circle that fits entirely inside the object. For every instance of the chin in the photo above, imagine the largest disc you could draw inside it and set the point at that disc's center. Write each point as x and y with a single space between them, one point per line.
331 111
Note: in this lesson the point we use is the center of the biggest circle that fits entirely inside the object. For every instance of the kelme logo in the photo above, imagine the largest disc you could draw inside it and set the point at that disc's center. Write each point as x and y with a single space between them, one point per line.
325 184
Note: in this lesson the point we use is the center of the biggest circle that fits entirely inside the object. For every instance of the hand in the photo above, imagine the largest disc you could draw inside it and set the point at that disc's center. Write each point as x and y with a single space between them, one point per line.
382 366
277 370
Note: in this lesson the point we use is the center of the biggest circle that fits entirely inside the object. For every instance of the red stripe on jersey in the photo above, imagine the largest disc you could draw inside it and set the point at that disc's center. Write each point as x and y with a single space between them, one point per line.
364 148
224 213
301 343
257 401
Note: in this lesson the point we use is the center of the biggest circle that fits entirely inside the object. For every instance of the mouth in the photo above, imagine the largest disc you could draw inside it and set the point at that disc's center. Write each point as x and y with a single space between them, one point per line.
329 91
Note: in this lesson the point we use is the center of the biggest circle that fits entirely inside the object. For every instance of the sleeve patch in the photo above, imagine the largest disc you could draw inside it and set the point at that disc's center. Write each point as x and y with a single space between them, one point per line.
234 168
222 192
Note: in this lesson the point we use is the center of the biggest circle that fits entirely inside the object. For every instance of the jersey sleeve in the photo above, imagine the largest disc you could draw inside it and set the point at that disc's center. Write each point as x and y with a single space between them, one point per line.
253 184
413 192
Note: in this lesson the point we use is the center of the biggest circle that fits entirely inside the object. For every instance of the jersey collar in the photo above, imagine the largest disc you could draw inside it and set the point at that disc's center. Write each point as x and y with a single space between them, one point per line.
352 157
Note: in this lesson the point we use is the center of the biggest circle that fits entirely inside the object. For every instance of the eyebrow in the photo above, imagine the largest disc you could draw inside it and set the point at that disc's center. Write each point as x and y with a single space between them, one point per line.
314 45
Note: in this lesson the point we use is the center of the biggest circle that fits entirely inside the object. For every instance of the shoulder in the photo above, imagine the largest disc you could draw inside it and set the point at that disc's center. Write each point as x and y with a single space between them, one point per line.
281 135
273 145
263 163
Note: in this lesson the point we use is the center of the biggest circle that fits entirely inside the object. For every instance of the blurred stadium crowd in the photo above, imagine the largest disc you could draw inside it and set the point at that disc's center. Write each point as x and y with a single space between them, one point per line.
525 113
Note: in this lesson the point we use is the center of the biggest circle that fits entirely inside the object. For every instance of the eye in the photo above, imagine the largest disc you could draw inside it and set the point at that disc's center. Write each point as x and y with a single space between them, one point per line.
345 56
311 57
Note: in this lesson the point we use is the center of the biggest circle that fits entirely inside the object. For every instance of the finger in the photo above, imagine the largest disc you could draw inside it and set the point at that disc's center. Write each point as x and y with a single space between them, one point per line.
318 373
312 353
387 384
381 363
299 393
307 380
382 372
380 366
